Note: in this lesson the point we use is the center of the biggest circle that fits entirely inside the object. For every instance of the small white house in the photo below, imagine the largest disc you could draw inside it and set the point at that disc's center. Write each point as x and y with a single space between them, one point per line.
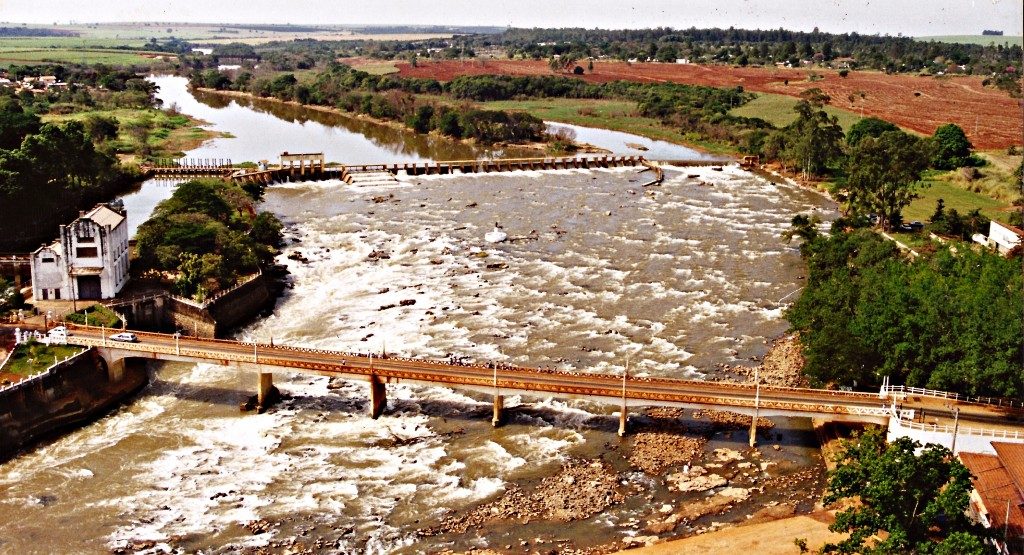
1002 237
88 261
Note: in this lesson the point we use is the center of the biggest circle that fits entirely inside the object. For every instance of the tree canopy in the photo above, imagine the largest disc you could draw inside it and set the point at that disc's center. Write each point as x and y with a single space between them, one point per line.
918 496
207 234
948 320
811 143
868 127
952 149
884 173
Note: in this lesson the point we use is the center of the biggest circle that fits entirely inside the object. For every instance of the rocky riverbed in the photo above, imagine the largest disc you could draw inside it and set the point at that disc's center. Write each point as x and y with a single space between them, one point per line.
678 473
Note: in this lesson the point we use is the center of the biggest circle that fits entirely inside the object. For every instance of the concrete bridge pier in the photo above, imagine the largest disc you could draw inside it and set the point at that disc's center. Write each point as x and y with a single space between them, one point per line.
378 396
264 388
753 431
623 416
115 370
499 408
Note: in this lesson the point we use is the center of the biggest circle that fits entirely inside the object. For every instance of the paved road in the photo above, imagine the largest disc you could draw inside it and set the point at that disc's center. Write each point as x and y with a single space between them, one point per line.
603 387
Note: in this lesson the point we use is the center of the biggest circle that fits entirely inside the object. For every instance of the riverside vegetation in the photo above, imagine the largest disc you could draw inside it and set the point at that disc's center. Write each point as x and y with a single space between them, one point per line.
206 236
948 319
60 149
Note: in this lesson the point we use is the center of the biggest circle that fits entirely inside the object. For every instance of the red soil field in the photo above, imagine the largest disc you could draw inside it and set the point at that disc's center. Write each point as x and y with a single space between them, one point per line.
989 116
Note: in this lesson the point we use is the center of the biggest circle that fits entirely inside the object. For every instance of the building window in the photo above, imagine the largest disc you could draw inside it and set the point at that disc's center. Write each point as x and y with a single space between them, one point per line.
84 239
86 252
48 260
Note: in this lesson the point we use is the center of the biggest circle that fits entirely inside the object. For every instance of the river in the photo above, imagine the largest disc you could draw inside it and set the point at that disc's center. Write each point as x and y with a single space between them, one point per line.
676 278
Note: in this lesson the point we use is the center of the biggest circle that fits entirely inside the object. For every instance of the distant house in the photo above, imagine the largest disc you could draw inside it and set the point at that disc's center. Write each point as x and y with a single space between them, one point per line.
88 261
1002 237
682 60
844 63
997 501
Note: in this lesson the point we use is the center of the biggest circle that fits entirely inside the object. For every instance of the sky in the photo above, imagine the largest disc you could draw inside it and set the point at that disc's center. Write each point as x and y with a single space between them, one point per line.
907 17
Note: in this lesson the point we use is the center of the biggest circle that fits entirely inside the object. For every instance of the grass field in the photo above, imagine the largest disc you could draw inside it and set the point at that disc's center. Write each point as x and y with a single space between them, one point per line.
983 40
777 109
168 135
18 55
377 67
617 115
31 359
963 201
68 42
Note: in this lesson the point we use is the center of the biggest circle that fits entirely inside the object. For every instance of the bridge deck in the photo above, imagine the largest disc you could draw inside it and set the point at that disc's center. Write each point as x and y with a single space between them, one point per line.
607 388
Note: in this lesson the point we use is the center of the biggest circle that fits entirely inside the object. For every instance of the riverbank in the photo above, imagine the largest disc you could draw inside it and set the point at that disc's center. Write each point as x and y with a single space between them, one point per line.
142 132
534 146
762 534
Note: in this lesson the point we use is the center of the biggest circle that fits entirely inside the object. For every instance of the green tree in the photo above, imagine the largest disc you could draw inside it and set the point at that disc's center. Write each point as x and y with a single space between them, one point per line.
815 97
190 277
952 149
814 140
15 123
196 196
917 496
947 320
101 128
868 127
884 174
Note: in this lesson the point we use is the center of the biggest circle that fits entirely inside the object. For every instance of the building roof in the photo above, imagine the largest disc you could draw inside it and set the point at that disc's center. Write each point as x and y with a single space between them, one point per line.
54 246
104 216
999 494
1012 457
1018 231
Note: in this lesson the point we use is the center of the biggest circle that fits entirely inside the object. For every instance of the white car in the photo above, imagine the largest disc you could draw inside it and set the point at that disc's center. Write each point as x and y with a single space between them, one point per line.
59 331
124 336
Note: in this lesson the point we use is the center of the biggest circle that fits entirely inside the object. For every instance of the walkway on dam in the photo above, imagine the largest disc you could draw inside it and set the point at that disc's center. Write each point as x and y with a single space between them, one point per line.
311 166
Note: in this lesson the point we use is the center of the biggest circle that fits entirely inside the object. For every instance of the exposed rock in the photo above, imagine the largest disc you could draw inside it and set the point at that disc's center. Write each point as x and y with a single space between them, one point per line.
653 452
782 365
258 526
581 490
696 479
723 419
639 541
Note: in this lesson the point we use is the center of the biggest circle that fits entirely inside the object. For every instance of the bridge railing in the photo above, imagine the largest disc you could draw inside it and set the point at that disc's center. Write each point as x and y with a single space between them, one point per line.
994 401
523 379
49 370
961 430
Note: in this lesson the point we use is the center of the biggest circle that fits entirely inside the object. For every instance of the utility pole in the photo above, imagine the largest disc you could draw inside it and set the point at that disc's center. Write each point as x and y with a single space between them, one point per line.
956 428
757 406
623 414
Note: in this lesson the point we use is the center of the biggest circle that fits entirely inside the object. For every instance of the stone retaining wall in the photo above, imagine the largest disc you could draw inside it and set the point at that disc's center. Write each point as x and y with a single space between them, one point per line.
68 394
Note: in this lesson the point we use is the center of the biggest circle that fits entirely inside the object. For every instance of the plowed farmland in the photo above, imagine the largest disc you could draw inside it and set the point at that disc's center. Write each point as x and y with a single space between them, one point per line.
990 117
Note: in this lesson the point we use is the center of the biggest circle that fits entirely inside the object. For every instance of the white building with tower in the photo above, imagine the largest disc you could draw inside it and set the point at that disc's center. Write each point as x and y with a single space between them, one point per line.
88 261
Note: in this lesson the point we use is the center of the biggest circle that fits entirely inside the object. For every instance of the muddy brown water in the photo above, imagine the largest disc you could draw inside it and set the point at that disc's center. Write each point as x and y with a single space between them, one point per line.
675 278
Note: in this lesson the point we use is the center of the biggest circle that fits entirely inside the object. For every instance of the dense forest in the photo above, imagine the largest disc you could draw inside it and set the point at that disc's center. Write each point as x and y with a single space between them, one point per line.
947 320
763 47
